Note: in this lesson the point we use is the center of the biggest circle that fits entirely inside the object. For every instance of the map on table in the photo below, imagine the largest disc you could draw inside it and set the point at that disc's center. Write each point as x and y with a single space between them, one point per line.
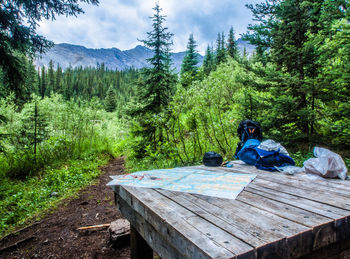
219 184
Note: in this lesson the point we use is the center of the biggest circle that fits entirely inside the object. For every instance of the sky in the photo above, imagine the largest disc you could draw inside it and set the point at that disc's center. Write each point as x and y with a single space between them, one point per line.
120 23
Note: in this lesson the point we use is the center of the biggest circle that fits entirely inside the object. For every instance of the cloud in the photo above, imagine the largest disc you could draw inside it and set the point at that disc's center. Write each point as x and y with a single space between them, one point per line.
120 23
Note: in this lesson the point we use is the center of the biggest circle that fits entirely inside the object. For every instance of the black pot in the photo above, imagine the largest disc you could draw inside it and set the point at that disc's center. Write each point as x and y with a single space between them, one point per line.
212 159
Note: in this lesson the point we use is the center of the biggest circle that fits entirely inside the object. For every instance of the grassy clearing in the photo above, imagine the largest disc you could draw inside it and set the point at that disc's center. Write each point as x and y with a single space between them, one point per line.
29 199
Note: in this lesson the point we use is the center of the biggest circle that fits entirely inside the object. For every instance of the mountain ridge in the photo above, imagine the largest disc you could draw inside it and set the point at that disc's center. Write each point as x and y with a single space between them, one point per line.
69 55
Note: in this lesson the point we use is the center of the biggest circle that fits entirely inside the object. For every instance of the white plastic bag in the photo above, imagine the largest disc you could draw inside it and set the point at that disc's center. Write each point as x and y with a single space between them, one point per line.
271 145
326 164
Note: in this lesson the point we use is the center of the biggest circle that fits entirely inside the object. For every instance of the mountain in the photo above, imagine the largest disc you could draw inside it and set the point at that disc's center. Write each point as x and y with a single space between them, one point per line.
75 56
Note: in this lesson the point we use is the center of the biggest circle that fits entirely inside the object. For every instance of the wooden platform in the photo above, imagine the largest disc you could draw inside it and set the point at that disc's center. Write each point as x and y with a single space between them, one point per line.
276 216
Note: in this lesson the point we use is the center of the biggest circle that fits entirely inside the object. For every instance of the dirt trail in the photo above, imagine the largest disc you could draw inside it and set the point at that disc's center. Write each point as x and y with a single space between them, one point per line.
56 236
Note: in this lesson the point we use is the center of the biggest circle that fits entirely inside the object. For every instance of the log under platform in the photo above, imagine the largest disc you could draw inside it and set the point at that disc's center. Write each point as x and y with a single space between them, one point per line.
276 216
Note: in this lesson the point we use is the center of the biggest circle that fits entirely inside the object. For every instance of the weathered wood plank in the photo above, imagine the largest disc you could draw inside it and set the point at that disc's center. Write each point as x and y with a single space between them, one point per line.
283 210
163 248
257 216
298 238
174 221
230 222
333 200
298 243
300 202
300 183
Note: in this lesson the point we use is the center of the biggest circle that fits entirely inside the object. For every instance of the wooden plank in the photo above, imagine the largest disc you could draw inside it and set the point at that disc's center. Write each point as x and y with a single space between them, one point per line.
341 217
308 185
186 231
230 222
283 210
257 216
246 218
314 195
274 245
148 232
323 228
299 202
139 249
298 242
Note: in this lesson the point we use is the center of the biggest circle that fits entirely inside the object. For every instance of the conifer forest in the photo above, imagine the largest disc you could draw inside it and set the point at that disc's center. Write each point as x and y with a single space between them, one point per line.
57 126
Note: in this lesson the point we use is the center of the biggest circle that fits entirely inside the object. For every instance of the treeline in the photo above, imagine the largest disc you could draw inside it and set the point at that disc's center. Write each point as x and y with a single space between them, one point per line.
113 87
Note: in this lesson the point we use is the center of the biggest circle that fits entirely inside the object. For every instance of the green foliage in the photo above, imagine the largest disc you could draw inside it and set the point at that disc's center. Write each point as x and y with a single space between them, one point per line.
22 200
64 130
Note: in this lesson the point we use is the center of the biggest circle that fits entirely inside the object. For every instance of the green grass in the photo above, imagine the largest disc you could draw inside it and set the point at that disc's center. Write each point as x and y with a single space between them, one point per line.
24 200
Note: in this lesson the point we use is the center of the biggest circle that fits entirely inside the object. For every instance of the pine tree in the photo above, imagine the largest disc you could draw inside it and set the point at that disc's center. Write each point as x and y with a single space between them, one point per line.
208 62
31 78
43 84
283 29
51 78
58 81
232 45
220 49
158 84
110 100
189 64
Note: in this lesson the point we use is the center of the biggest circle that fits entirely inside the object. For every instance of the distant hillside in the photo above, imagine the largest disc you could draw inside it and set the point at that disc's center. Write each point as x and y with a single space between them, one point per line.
73 55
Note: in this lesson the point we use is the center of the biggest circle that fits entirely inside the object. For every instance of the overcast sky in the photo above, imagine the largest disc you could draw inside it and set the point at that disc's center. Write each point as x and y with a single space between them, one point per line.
119 23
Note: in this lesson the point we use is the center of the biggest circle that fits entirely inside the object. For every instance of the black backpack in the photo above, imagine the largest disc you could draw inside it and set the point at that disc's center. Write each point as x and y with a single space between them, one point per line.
248 129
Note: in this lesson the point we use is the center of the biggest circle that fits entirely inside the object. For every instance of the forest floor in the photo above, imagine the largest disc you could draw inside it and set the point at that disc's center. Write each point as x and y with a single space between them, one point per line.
56 235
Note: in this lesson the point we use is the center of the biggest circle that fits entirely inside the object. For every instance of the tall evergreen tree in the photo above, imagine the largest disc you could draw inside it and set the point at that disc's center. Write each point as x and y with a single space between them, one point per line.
220 55
58 80
232 49
282 35
50 78
209 61
110 100
43 84
158 84
189 64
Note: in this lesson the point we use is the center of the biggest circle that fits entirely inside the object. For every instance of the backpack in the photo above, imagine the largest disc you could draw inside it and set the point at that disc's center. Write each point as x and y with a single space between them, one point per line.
263 159
248 129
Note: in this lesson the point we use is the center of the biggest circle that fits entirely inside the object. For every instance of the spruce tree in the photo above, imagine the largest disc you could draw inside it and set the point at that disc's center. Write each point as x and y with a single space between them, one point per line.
58 80
189 64
232 49
208 62
43 84
156 87
282 37
220 55
110 100
51 78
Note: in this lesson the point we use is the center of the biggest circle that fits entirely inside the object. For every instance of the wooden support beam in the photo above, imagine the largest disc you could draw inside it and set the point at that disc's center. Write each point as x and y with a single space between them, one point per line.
138 246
